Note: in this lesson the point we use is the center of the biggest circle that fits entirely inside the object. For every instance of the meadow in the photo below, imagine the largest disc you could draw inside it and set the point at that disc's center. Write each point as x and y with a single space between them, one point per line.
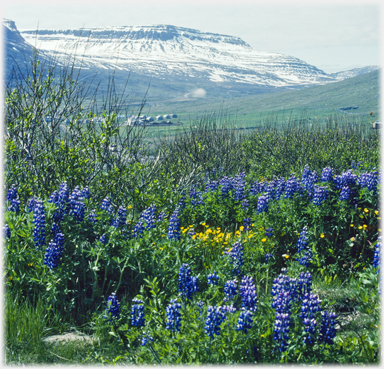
210 245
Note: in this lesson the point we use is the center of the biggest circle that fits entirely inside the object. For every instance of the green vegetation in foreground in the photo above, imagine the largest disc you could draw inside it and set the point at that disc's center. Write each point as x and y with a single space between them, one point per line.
103 241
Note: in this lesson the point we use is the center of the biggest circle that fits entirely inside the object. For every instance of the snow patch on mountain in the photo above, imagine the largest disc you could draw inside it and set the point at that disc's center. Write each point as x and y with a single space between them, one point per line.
166 51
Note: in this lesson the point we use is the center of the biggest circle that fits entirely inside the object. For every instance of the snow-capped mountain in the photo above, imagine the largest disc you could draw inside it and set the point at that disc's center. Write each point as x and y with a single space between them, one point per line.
165 51
174 60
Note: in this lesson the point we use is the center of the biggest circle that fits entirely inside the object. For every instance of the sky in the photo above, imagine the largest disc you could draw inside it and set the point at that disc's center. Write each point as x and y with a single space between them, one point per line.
331 35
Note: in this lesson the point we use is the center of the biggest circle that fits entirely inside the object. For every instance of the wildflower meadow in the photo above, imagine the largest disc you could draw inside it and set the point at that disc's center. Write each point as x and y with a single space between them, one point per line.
262 248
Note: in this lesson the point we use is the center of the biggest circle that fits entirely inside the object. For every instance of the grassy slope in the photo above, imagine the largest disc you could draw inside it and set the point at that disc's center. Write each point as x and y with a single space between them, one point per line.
318 101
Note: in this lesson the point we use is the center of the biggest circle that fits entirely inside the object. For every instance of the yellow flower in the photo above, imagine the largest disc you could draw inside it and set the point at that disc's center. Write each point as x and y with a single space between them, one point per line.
263 240
129 207
285 256
352 225
378 218
30 264
352 239
365 226
203 224
379 229
360 227
250 235
241 229
10 278
193 237
366 210
376 212
262 336
322 235
361 216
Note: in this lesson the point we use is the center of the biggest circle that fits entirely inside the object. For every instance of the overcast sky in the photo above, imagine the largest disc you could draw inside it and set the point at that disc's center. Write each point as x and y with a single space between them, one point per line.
332 36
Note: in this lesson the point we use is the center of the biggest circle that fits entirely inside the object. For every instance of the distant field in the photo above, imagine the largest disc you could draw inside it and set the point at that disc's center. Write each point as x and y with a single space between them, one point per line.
314 103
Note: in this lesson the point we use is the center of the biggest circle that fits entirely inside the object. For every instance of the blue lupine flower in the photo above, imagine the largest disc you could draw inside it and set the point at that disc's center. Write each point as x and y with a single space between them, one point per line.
162 215
196 197
320 195
230 290
39 222
292 186
270 190
105 204
211 186
310 306
247 224
55 229
228 309
280 188
236 254
302 245
302 242
304 284
59 241
92 217
245 204
7 231
85 194
268 257
283 292
248 294
78 210
121 217
213 278
145 338
309 182
328 330
139 229
369 180
214 318
239 187
377 254
245 321
173 316
227 185
281 330
327 174
137 313
262 204
14 206
257 187
12 193
345 193
187 284
61 200
104 239
31 203
347 178
306 173
269 232
181 203
174 226
52 255
148 216
113 307
200 305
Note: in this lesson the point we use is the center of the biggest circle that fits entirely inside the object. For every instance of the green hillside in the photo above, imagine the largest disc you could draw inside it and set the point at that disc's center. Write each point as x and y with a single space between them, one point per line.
314 102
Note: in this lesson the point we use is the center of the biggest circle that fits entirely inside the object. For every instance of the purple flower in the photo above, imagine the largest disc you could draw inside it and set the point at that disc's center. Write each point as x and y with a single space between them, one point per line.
245 321
113 307
248 294
213 279
262 204
173 316
137 313
214 318
174 226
